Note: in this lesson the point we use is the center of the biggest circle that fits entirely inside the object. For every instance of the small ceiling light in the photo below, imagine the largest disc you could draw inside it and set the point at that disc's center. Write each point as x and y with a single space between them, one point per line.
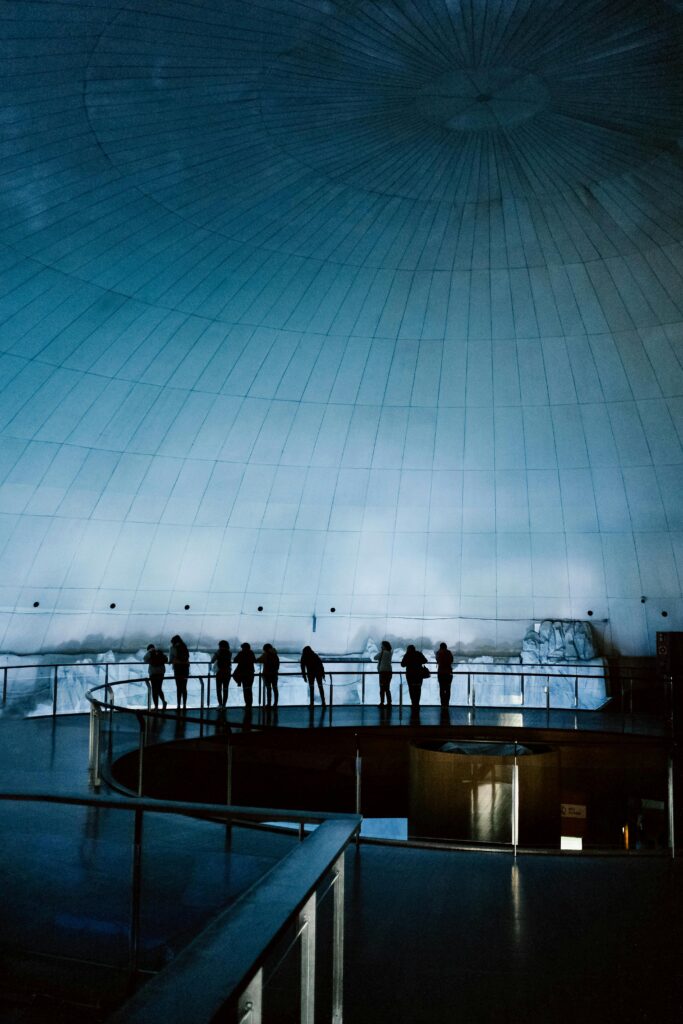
36 604
333 609
113 604
260 608
664 615
187 607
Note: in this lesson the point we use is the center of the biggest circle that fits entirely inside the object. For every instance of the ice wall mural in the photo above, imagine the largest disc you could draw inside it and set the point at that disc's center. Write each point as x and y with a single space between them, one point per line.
366 306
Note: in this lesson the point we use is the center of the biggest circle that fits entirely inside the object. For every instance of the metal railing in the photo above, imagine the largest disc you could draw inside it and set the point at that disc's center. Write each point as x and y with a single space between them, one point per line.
61 688
244 937
150 727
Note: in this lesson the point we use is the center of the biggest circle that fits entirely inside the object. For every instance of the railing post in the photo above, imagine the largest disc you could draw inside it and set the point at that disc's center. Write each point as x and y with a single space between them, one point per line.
338 943
522 691
142 725
670 808
95 762
358 768
55 685
470 695
106 675
362 687
201 705
4 685
136 900
331 689
250 1003
307 926
515 804
228 796
576 691
400 693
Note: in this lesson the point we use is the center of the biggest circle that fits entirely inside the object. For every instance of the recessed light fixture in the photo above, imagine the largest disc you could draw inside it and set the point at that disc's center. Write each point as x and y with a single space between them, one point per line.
260 608
664 615
333 609
187 607
36 604
113 604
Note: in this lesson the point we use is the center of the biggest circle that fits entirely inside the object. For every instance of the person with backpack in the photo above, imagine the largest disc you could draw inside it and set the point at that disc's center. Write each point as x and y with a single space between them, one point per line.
157 662
179 657
222 659
271 667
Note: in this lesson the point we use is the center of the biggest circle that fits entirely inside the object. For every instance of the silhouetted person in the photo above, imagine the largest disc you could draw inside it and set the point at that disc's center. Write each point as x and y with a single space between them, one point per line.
179 656
413 662
313 671
444 671
157 662
383 660
244 673
222 659
271 667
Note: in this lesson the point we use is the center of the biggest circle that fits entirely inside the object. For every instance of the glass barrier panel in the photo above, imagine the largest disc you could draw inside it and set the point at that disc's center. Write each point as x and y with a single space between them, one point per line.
461 792
83 913
190 870
29 690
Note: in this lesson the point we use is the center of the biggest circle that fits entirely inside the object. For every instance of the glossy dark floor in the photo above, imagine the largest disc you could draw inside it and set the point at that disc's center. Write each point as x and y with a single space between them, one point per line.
431 936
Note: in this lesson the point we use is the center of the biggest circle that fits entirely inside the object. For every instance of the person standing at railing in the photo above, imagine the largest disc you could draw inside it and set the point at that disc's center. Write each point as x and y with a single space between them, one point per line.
414 663
313 671
179 657
244 673
383 660
271 667
157 662
222 659
444 671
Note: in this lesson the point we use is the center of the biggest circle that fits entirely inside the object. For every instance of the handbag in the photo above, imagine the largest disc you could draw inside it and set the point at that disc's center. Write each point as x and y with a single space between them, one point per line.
425 672
237 675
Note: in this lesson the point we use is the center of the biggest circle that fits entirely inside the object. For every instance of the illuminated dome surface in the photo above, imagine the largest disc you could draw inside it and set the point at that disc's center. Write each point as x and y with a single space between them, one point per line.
367 306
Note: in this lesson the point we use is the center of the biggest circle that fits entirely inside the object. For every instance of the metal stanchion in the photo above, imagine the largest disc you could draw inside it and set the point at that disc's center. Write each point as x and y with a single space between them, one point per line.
307 925
338 944
250 1003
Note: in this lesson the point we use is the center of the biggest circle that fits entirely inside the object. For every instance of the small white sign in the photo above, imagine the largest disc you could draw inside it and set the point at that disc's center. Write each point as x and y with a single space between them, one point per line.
571 843
573 810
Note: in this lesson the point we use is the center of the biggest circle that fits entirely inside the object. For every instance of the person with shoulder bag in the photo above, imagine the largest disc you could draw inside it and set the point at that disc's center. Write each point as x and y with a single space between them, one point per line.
414 663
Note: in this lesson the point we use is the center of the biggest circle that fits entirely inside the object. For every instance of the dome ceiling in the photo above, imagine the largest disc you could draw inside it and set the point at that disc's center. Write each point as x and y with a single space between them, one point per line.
373 306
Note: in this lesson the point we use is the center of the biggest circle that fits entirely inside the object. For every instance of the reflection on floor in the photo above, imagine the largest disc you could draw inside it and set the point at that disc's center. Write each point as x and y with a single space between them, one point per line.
431 936
441 937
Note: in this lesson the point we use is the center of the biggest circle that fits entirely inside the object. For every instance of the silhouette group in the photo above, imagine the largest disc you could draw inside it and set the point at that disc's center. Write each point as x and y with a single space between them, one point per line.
241 668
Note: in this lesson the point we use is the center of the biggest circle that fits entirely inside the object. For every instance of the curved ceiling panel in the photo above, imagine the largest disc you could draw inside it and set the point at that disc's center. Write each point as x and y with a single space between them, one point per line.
366 306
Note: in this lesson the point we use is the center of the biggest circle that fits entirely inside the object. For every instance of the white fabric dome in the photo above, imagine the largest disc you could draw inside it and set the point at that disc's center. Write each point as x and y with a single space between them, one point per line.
372 306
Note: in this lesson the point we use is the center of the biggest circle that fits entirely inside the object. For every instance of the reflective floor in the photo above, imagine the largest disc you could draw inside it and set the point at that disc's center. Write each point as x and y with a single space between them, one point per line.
431 935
